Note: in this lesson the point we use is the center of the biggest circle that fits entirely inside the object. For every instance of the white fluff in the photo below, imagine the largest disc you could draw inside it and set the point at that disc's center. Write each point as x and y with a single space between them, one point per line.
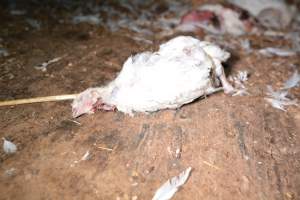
3 52
239 79
280 104
169 188
279 99
246 45
91 19
270 51
44 65
292 81
180 72
9 147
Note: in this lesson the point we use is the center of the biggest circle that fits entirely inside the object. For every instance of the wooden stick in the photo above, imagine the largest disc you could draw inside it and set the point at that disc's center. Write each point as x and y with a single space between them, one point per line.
38 100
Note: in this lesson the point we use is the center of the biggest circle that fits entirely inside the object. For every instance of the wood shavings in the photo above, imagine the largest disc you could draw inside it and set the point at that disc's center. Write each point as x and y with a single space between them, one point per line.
105 148
169 188
86 156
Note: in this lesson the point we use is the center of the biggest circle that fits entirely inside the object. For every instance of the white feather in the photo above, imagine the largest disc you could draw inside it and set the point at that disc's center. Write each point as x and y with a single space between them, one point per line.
9 147
271 51
3 52
239 79
91 19
279 99
169 188
280 104
292 81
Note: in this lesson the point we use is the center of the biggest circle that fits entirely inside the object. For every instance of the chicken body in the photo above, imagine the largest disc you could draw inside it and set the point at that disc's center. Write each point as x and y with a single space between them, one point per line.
271 13
181 71
218 19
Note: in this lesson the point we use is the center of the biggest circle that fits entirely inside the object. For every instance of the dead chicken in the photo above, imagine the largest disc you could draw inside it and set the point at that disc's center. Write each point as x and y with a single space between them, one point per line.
183 70
218 19
270 13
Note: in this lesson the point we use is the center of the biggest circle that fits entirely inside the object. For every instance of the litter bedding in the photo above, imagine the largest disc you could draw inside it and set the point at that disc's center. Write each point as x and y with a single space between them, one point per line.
160 71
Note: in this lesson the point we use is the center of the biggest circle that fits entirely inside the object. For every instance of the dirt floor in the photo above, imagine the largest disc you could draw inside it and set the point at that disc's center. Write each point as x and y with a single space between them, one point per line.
239 147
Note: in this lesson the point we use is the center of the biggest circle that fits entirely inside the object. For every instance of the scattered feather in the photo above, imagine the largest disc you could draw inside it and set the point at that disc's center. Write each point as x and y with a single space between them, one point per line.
3 52
169 188
246 45
240 92
10 172
140 39
280 95
292 81
91 19
239 80
18 12
280 104
34 23
9 147
242 76
44 65
279 99
272 33
270 51
295 40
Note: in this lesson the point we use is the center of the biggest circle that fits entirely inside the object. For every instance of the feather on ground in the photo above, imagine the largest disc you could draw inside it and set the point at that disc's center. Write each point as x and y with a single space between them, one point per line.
169 188
9 147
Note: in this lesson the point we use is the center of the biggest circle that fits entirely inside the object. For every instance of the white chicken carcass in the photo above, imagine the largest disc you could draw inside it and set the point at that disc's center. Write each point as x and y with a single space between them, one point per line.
182 70
218 19
270 13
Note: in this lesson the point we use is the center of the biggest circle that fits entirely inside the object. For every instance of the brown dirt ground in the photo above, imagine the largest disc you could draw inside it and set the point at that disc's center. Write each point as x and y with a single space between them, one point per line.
238 147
